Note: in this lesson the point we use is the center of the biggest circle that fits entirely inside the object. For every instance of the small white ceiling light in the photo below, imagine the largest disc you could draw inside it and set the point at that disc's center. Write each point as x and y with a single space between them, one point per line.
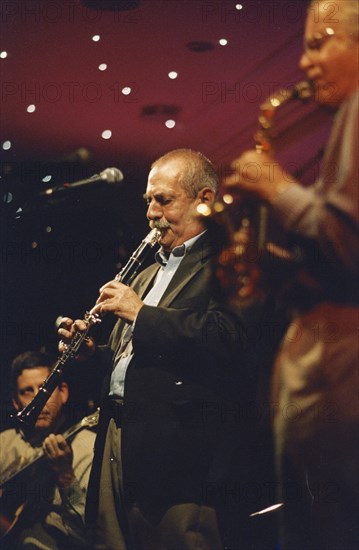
106 134
6 145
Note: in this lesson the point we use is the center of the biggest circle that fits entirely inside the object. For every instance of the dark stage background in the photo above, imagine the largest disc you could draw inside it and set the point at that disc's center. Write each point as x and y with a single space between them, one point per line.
55 255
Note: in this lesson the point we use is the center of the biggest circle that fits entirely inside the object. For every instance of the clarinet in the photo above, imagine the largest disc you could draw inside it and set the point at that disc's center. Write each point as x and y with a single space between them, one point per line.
29 414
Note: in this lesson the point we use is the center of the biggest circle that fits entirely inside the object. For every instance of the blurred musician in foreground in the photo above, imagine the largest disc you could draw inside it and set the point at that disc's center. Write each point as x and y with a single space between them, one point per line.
315 377
52 491
165 441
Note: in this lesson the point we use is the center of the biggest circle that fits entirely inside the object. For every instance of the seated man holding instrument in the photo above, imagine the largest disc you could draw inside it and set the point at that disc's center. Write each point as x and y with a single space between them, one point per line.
43 501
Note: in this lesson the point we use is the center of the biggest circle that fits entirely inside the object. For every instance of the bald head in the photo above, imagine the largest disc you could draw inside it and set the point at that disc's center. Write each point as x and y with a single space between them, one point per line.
197 171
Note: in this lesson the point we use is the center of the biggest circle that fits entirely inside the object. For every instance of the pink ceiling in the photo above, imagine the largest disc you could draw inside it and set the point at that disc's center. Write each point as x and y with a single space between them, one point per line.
52 62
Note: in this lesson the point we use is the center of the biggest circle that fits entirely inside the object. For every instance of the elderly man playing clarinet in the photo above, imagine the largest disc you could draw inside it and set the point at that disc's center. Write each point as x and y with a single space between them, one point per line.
164 438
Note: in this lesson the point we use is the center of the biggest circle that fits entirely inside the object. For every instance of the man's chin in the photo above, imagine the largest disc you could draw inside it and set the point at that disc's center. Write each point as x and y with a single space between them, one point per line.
166 240
327 94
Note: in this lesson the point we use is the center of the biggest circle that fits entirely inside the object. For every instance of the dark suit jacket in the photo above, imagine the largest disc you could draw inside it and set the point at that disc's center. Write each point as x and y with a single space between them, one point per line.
178 419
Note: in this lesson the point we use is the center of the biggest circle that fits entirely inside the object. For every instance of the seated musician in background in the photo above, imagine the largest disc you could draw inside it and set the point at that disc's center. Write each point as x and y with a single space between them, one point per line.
315 376
167 428
54 490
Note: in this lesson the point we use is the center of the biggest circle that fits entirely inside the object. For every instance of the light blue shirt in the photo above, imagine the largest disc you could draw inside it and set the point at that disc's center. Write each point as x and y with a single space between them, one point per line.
164 276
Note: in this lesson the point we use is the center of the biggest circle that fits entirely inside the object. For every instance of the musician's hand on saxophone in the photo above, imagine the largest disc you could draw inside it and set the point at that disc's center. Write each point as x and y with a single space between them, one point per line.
119 299
259 175
67 331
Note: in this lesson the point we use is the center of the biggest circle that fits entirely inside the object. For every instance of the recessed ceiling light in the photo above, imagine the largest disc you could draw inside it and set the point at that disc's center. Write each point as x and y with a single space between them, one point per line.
172 75
31 108
126 90
96 37
239 6
223 42
6 145
170 123
106 134
3 55
102 67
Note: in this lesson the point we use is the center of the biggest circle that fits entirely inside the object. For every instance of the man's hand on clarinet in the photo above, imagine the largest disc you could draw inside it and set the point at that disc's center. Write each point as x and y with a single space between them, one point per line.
68 329
119 299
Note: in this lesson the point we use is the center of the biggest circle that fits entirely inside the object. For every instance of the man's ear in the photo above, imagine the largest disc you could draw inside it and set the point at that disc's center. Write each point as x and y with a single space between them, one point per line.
206 195
64 392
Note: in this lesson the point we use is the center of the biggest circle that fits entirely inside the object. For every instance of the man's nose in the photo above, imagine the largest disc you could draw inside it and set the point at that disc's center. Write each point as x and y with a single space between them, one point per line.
154 211
305 62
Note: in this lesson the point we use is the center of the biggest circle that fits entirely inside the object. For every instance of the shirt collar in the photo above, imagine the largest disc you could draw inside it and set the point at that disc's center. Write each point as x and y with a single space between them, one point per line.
162 257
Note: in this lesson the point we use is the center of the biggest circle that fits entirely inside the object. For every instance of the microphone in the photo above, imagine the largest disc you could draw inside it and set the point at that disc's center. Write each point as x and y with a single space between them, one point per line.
109 175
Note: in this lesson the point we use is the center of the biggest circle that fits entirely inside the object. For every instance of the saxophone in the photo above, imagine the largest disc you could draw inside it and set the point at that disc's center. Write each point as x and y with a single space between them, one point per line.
29 414
239 264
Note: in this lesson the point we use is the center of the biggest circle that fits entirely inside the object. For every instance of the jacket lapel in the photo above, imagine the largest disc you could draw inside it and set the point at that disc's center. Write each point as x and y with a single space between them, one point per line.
140 286
145 282
192 263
